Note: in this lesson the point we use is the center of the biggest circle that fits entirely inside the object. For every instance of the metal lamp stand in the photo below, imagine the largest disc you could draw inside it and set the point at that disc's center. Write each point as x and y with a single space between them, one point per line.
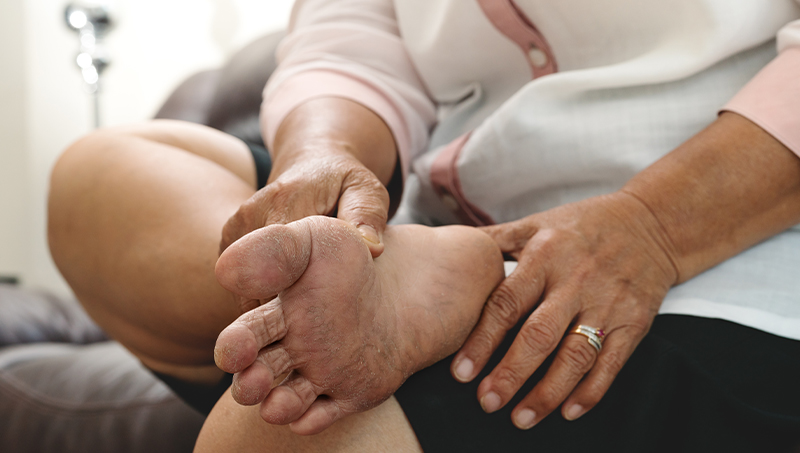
91 22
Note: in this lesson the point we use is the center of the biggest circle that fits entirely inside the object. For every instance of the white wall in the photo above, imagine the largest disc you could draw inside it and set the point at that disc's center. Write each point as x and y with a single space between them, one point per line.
43 107
14 190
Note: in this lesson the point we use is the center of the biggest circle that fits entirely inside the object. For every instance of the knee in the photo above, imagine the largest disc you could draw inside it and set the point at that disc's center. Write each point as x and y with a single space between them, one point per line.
72 171
75 184
80 160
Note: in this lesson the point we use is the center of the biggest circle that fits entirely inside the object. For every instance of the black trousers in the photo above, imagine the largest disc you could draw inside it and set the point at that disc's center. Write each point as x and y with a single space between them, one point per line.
692 385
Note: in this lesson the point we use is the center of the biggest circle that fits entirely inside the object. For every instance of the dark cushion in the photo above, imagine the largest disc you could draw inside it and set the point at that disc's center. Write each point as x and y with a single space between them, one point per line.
57 397
35 316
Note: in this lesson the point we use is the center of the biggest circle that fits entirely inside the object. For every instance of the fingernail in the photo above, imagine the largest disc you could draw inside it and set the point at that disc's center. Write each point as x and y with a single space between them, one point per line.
525 419
574 411
464 369
369 233
490 402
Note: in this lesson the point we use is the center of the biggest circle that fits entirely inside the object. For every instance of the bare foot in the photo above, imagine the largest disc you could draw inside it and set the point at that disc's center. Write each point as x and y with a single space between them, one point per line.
350 329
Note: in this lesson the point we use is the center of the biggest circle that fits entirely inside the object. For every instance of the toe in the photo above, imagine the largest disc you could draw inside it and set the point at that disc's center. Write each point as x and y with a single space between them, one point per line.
236 348
321 415
252 385
266 261
239 344
288 401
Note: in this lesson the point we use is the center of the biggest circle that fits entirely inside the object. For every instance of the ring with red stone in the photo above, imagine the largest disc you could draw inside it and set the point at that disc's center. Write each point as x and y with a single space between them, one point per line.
593 335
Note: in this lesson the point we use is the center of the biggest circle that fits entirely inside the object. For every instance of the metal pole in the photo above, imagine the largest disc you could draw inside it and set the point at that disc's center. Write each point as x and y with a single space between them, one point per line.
92 22
96 98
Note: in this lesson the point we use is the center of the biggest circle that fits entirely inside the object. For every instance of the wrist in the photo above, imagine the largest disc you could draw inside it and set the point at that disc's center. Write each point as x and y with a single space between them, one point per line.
645 225
724 190
316 150
336 126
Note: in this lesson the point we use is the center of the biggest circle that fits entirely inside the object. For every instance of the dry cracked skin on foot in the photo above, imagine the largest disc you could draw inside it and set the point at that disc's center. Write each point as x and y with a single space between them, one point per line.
348 329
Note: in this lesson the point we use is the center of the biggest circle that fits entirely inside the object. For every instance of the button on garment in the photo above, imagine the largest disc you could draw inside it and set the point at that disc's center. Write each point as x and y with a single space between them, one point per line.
537 56
450 202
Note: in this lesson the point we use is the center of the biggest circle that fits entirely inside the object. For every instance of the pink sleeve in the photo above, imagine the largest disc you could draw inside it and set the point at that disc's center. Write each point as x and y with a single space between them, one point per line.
350 49
772 98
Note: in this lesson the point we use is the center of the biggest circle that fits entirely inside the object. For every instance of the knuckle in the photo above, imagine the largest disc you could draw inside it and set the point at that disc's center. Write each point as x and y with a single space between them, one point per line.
503 307
613 361
367 210
365 179
233 229
507 380
237 221
643 322
640 328
539 336
638 324
547 240
579 356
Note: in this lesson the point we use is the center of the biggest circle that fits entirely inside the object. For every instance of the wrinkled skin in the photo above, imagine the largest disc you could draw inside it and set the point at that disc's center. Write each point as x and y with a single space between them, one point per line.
349 329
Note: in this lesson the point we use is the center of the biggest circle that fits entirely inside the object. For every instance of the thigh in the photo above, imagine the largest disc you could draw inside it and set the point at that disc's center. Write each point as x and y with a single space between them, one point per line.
234 428
135 219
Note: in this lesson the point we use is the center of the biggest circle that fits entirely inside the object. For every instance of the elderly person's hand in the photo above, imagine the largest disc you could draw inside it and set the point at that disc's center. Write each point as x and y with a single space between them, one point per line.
607 263
330 156
316 182
603 263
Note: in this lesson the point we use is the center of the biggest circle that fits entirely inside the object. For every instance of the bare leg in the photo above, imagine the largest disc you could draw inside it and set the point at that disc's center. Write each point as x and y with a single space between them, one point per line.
234 428
351 330
135 217
135 221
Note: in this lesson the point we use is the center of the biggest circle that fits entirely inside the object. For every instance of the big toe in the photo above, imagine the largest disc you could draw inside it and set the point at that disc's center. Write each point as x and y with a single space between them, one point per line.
266 261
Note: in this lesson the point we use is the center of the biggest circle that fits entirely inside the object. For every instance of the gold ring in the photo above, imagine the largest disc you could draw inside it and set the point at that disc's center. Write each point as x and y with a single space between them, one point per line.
593 335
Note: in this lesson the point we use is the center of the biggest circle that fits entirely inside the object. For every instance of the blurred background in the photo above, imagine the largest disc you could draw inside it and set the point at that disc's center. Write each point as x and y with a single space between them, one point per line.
45 105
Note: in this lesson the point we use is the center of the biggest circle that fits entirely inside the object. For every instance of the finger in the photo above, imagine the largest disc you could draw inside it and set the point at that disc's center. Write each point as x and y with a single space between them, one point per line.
575 357
253 384
512 236
537 338
617 348
514 297
288 401
364 202
265 262
323 413
286 202
235 227
238 344
278 203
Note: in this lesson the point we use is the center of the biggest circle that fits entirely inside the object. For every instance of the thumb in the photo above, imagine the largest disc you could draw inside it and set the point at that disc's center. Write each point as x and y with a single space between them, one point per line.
511 236
364 203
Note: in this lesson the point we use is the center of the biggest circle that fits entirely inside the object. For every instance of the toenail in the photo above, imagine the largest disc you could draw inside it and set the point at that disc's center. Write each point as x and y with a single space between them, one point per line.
525 419
490 402
464 370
